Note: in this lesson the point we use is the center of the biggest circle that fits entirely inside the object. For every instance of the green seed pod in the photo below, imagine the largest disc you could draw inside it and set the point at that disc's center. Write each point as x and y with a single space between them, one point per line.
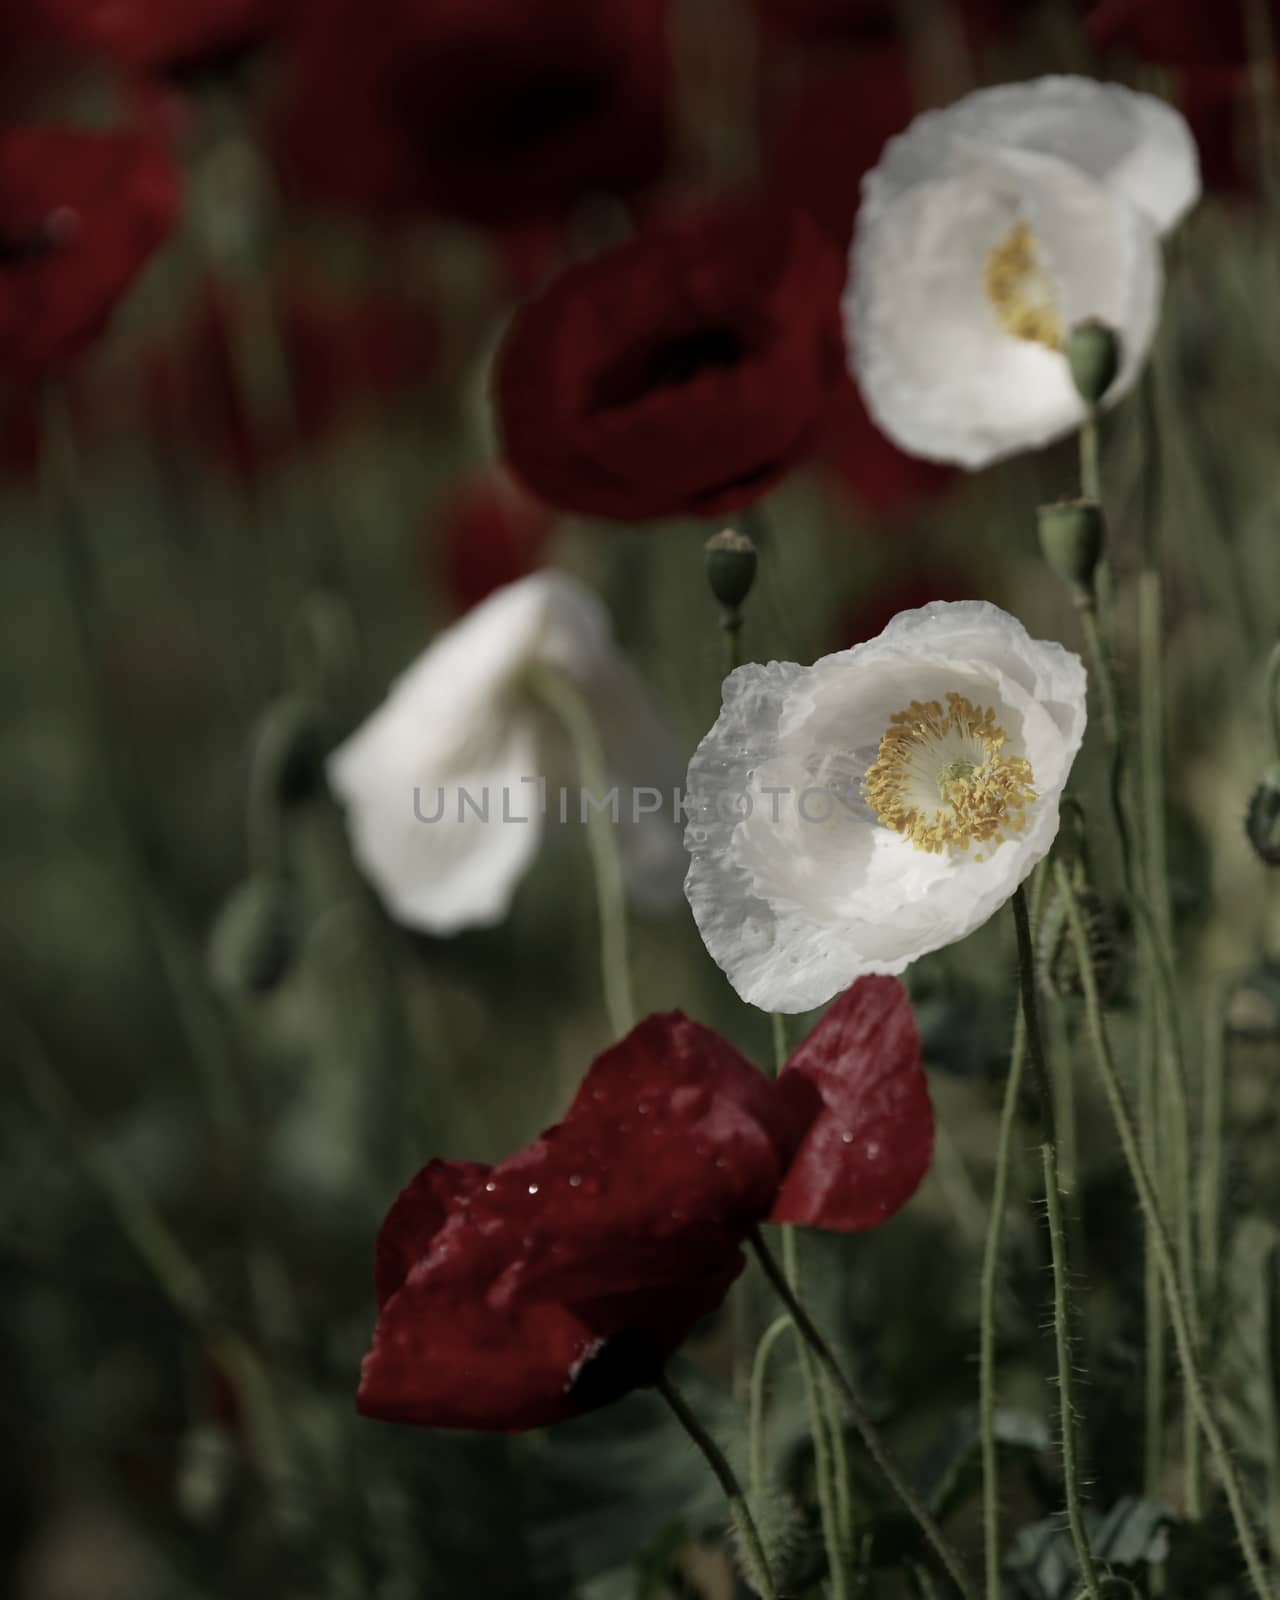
731 567
1093 354
253 941
1262 821
1072 535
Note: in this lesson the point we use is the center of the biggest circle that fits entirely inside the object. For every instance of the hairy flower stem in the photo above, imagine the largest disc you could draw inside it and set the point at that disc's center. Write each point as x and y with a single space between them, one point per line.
1273 698
1179 1316
875 1445
758 1574
825 1431
1169 1094
830 1458
1057 1243
756 1413
568 703
987 1298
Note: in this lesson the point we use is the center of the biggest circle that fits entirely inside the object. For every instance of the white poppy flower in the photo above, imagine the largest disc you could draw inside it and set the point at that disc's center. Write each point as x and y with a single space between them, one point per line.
850 817
986 232
444 786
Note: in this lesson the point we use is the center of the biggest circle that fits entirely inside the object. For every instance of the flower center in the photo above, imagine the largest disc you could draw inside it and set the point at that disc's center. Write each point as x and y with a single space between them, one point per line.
1019 289
942 779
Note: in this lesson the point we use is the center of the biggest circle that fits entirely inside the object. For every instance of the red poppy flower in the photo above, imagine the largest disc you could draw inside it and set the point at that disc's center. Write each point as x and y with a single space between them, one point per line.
150 34
492 111
80 215
684 372
341 355
520 1295
487 533
1178 33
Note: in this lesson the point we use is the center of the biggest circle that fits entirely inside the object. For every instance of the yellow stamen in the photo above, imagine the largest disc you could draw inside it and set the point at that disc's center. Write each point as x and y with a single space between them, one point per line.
942 779
1019 289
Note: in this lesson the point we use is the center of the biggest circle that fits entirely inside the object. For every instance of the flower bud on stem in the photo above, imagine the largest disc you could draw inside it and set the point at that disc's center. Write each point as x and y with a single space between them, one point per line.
731 561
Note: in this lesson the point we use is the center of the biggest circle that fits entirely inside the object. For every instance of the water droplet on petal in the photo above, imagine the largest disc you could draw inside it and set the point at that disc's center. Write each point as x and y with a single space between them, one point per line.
575 1179
533 1188
846 1138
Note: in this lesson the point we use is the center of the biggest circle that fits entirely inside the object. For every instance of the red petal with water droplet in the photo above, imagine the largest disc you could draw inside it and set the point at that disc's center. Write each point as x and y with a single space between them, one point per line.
871 1142
408 1234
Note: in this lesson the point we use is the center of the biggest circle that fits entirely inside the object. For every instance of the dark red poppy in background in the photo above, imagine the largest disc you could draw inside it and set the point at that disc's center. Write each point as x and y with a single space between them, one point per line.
684 372
827 22
878 477
491 111
828 127
81 213
341 355
1179 33
148 34
520 1295
485 534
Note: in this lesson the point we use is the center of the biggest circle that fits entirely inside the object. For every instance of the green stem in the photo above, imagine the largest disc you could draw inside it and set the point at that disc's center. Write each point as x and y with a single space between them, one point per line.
731 627
824 1430
1213 1100
568 703
1174 1296
988 1290
758 1573
1057 1241
759 1371
1160 1005
1090 457
1273 697
867 1430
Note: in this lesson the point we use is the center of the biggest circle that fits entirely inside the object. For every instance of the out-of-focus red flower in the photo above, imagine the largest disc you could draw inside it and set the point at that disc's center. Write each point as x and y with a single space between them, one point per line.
1221 105
341 355
81 213
486 533
1178 33
520 1295
148 35
829 127
492 111
684 372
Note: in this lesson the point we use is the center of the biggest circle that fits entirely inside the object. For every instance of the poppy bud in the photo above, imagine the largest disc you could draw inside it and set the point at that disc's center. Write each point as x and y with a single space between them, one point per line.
252 944
731 567
1072 534
1093 354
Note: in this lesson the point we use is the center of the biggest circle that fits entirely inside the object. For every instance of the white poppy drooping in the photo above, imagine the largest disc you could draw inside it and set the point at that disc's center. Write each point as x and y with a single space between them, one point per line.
989 230
450 784
849 817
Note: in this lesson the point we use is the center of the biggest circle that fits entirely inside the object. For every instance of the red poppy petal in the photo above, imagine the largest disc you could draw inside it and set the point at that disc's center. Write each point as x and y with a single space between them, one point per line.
871 1144
443 1357
419 1213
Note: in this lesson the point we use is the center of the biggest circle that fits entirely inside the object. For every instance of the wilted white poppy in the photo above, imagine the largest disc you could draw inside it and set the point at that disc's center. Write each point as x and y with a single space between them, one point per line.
986 232
850 817
450 784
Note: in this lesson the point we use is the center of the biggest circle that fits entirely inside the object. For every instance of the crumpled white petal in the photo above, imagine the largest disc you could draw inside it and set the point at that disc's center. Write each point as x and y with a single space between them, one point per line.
796 885
461 722
1094 172
1136 144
